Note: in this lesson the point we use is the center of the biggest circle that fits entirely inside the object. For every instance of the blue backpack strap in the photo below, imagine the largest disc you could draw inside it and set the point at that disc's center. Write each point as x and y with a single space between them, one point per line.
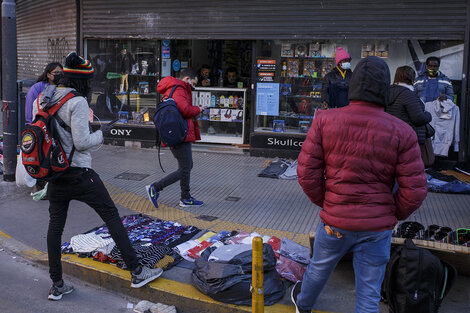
173 90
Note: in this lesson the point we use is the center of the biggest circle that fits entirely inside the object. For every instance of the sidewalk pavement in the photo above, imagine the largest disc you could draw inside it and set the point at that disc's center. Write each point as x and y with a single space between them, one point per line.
235 198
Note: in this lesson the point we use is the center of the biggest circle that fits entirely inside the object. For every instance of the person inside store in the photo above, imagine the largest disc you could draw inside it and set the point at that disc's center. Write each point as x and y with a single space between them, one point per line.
80 182
205 79
52 72
407 106
354 187
336 83
432 84
182 152
125 62
231 78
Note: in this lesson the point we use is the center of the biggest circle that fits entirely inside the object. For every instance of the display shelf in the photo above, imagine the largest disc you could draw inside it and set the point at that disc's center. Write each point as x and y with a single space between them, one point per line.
227 121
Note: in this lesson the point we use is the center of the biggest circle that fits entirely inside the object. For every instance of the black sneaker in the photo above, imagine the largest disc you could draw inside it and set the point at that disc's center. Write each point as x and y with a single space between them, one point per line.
293 296
145 276
55 293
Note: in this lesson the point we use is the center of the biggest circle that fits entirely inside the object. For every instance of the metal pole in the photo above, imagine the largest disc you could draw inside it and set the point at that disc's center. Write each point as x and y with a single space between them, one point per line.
9 102
257 283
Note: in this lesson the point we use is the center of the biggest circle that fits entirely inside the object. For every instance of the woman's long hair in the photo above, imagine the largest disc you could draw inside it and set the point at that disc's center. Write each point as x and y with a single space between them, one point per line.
49 68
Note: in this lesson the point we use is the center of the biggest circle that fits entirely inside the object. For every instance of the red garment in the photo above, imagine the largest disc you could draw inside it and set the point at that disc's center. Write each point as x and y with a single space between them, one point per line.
349 163
183 99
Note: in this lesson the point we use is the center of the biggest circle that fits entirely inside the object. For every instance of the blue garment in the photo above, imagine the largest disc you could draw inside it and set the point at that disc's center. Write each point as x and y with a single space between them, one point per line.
456 186
31 95
371 254
432 90
443 86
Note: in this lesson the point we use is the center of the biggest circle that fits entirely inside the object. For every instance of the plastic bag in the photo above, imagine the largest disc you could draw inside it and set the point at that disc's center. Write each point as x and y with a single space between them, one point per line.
22 177
229 282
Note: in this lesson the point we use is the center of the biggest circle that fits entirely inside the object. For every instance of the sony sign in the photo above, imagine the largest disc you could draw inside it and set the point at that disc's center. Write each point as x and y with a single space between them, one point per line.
121 132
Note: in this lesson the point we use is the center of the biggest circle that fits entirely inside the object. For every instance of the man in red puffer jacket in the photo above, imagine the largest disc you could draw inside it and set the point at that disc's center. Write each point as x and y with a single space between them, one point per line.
183 151
348 166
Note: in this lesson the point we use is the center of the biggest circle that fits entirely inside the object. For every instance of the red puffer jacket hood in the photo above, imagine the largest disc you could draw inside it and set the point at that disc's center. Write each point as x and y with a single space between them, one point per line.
184 101
350 161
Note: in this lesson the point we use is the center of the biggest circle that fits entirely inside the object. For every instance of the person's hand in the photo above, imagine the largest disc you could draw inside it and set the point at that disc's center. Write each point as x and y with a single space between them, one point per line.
324 105
205 83
201 109
442 97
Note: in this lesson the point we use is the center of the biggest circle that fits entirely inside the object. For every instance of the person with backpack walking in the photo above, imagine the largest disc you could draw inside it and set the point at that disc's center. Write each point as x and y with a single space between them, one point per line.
348 166
80 182
181 91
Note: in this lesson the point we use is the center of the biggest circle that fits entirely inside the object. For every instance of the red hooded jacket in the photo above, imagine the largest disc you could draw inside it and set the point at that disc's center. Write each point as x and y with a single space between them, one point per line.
183 99
349 163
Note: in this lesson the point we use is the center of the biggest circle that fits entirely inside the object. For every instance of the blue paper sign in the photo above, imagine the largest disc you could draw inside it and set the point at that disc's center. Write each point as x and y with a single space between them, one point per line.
176 65
267 99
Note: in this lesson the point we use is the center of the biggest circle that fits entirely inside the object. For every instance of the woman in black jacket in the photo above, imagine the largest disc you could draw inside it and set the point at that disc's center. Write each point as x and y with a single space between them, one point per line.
406 105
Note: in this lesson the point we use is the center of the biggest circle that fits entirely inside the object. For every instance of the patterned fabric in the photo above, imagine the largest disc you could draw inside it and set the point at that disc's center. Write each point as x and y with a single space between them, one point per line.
149 255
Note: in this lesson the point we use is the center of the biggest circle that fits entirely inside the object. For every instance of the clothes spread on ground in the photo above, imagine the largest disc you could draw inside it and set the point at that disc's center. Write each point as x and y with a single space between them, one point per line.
276 168
153 240
290 270
291 172
227 252
446 122
438 182
294 251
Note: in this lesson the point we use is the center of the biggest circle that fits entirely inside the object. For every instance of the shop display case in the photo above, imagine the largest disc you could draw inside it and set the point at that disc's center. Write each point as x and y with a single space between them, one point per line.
223 120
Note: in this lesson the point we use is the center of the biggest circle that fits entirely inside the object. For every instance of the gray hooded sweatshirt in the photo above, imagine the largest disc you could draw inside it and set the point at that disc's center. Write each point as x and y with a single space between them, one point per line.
74 113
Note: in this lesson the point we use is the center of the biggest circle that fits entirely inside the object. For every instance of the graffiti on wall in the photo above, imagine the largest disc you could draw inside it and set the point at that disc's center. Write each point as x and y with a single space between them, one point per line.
57 49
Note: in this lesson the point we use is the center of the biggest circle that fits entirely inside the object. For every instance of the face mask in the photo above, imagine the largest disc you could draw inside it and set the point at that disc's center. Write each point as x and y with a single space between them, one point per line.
57 78
346 66
432 73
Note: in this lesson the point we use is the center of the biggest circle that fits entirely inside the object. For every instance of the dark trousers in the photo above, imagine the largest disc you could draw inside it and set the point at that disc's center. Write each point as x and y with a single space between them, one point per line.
184 155
83 185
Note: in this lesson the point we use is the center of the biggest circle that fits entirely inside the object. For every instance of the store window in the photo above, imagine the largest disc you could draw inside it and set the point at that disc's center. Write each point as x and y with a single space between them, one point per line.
224 73
290 74
124 85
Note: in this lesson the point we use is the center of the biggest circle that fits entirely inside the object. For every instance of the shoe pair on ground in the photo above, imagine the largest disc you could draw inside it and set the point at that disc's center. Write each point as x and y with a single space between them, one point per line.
184 203
140 277
293 296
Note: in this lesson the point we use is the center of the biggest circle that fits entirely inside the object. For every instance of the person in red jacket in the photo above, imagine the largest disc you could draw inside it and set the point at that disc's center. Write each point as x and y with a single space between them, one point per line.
183 151
348 166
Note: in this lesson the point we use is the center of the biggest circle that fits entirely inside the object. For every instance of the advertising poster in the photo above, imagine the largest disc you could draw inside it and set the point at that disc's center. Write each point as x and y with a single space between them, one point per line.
267 99
266 70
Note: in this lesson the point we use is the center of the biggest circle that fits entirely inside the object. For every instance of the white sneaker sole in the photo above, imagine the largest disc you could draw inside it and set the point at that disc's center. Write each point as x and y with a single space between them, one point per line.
293 300
188 205
148 280
56 298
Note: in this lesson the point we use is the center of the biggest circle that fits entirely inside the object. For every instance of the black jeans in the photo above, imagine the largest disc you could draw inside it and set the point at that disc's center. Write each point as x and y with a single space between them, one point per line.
83 185
184 155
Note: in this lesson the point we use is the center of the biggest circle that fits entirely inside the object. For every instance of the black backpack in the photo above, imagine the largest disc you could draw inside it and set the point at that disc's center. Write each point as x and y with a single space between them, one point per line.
170 125
416 281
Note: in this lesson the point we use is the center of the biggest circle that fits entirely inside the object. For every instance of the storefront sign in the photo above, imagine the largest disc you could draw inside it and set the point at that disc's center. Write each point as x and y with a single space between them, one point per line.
277 142
165 52
176 65
266 70
267 99
166 67
133 132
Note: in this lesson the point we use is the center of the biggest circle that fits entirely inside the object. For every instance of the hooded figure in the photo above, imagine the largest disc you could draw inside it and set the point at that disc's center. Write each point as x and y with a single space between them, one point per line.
336 83
348 166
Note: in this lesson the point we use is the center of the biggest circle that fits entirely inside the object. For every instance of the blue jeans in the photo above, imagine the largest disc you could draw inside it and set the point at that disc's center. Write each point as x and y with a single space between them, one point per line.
371 254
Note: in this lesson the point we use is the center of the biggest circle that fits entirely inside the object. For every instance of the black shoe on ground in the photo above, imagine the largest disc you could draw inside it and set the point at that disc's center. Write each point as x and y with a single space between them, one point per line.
56 292
293 296
145 276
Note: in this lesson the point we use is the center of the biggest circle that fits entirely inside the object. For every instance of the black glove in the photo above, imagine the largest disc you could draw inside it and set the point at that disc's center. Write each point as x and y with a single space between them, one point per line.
106 128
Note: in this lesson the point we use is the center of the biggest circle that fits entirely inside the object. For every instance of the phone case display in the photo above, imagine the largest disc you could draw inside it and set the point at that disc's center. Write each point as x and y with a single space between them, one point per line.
223 117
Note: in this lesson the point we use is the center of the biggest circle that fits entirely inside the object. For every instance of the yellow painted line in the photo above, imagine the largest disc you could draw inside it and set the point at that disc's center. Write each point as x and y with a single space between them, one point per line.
4 236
